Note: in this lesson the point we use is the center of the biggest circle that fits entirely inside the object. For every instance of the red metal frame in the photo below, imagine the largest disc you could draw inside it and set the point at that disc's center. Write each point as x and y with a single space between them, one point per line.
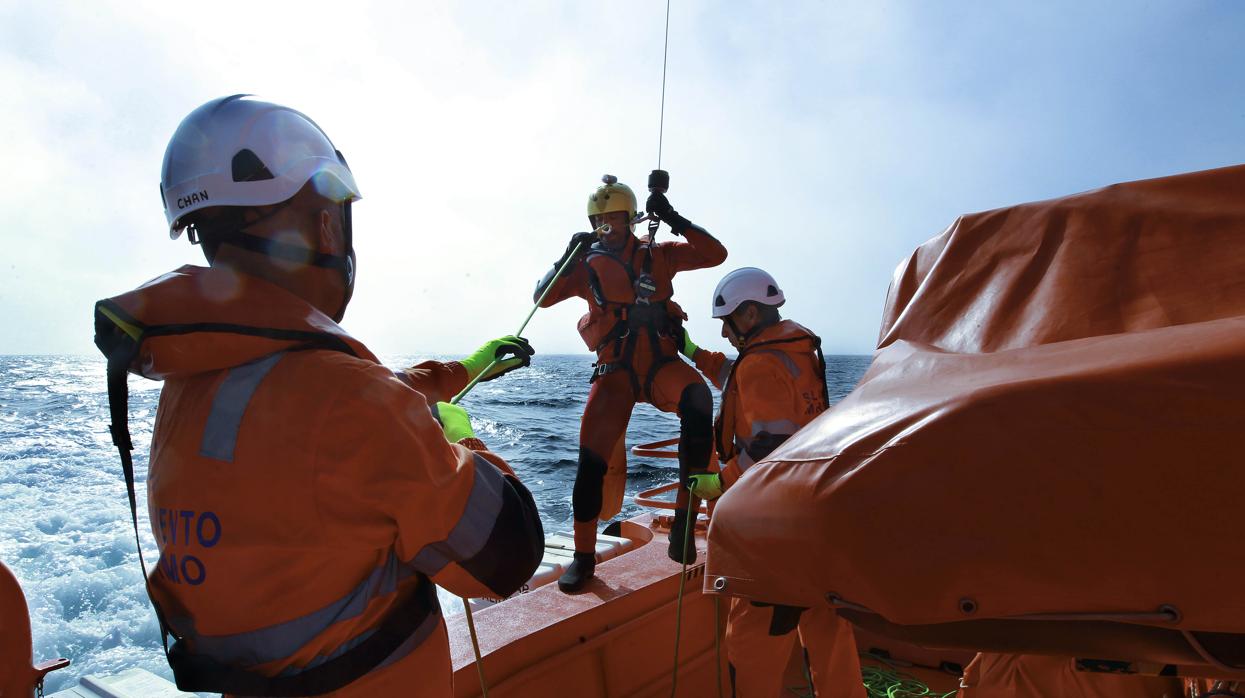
661 449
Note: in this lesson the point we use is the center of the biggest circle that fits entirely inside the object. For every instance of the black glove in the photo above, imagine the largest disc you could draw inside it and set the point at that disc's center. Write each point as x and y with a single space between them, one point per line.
659 205
586 238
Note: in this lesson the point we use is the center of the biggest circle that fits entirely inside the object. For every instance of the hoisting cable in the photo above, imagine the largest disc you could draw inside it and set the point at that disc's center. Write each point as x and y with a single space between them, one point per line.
471 623
659 180
665 51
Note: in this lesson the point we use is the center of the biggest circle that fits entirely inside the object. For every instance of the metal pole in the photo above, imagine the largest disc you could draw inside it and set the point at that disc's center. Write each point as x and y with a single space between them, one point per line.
603 230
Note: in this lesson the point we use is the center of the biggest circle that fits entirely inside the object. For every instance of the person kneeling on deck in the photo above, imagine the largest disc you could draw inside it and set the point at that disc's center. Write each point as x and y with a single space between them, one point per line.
304 498
776 385
634 326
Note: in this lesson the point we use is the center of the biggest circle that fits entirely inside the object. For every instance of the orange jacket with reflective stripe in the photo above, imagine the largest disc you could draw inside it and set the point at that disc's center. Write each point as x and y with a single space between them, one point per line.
776 386
297 494
603 280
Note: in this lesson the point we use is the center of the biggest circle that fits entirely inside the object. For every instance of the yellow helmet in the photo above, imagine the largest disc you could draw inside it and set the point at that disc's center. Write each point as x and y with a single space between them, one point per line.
611 196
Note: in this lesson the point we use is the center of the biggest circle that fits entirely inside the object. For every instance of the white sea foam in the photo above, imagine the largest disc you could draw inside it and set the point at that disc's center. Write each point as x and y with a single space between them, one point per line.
65 522
65 525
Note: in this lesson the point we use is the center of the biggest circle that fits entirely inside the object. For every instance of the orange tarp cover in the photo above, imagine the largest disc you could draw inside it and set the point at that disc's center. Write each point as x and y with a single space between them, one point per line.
1053 423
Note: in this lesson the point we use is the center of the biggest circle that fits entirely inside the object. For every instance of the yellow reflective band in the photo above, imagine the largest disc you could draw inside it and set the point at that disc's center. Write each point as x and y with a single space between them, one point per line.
133 330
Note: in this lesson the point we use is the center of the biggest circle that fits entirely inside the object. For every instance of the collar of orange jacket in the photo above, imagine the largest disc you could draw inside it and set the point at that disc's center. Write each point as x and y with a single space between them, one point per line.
198 319
781 331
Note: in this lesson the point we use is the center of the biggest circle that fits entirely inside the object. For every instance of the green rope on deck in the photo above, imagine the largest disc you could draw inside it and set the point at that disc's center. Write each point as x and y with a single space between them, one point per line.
892 683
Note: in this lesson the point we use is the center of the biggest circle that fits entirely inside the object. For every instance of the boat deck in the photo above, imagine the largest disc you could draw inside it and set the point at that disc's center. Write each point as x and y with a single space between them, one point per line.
614 638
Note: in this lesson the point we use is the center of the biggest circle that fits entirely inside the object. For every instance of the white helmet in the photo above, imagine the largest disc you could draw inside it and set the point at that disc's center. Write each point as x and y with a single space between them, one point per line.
742 285
238 151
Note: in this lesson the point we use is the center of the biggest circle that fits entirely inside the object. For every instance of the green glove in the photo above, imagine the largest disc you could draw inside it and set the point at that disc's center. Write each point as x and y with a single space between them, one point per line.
517 348
687 347
454 422
705 485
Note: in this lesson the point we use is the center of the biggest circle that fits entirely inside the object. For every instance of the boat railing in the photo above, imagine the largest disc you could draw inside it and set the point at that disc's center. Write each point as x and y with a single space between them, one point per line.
652 498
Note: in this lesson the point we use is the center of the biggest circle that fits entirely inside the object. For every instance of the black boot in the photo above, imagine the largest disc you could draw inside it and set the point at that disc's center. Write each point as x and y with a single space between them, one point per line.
578 573
679 533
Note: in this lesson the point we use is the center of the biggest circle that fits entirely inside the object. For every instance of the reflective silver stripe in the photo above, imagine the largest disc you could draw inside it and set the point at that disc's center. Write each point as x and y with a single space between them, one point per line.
220 435
725 372
742 459
416 638
284 639
779 427
792 368
785 427
474 526
776 427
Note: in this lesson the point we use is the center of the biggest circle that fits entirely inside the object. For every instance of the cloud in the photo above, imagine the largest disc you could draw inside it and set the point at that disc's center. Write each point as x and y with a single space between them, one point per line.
820 141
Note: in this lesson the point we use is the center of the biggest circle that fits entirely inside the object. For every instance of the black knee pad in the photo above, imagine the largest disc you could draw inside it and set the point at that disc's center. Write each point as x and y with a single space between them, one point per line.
696 410
589 482
695 429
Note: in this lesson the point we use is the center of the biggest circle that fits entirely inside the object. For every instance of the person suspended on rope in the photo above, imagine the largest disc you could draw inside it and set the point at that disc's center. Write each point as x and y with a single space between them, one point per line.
775 385
633 325
304 498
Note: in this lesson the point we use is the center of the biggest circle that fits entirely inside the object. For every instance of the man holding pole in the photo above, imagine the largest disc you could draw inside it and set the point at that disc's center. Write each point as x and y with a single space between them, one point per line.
635 328
304 497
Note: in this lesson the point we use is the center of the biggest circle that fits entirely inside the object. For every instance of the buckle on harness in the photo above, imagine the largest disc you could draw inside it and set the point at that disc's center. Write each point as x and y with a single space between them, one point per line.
645 287
599 370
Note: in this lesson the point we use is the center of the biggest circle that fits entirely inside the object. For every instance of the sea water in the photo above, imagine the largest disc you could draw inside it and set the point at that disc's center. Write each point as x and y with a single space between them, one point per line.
65 523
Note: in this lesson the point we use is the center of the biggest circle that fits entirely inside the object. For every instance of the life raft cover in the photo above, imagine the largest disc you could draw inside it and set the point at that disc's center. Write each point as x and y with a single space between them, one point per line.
1053 423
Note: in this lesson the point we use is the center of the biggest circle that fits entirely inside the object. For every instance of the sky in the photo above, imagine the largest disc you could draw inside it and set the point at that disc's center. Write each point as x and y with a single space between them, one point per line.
819 141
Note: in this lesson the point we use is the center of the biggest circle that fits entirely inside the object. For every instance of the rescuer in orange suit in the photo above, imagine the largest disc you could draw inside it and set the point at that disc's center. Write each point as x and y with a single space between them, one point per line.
304 498
776 385
634 327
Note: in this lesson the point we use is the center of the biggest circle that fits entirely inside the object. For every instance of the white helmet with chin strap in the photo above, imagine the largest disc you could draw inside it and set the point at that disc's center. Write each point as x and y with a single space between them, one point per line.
743 285
240 151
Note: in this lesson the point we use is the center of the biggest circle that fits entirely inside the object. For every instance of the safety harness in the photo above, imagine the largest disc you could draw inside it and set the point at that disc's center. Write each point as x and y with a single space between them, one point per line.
719 425
653 318
120 337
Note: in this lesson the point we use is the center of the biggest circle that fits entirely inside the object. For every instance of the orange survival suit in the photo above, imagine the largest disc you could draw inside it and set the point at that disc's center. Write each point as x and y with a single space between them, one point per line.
636 343
303 497
775 386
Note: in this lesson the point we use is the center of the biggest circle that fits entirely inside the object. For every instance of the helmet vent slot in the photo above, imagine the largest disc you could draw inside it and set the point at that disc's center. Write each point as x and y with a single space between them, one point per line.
247 167
771 291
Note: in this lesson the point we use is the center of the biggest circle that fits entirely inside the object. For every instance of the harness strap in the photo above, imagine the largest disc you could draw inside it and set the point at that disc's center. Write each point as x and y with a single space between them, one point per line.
196 672
123 352
623 363
625 342
624 334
